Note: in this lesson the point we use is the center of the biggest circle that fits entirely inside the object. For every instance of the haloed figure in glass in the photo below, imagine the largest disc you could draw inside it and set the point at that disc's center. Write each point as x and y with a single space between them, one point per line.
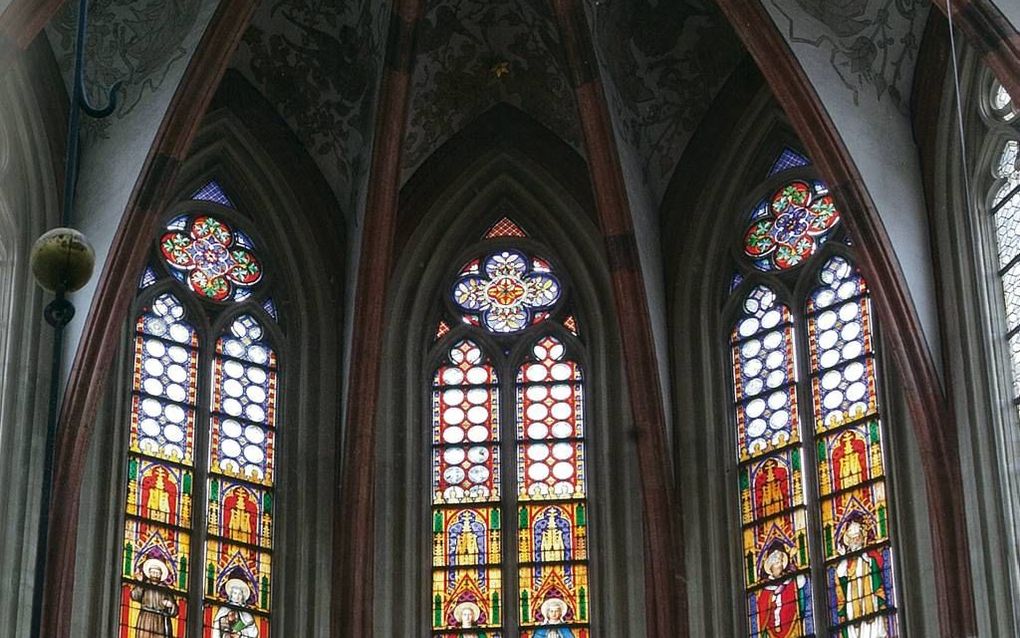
780 606
554 610
158 607
231 622
859 586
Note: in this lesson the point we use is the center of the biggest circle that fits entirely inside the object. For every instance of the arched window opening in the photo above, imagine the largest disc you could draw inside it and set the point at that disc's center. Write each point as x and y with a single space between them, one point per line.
507 352
1004 206
817 552
198 533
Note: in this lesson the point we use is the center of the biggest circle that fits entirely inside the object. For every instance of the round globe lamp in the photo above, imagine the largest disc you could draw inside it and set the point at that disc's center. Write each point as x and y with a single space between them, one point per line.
62 260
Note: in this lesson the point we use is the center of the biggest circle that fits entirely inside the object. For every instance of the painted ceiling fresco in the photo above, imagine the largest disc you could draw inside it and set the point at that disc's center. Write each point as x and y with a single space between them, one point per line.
473 54
318 63
663 63
872 44
136 42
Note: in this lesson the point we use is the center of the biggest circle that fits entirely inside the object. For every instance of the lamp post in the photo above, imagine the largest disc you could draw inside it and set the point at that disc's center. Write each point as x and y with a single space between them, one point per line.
62 262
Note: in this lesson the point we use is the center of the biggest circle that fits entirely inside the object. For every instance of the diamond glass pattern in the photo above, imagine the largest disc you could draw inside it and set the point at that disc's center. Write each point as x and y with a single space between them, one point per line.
788 159
213 192
507 293
505 227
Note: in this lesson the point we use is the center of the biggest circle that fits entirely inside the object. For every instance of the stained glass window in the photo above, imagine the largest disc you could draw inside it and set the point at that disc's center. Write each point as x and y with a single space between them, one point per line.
213 192
1005 208
155 572
183 574
214 260
788 159
789 228
538 586
813 496
242 451
506 291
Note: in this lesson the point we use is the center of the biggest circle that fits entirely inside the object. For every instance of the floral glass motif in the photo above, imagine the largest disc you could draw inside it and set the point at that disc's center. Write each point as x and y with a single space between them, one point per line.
239 511
215 261
158 509
797 220
506 291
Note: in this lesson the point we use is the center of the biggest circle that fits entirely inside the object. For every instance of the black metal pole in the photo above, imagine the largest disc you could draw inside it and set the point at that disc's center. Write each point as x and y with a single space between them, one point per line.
58 313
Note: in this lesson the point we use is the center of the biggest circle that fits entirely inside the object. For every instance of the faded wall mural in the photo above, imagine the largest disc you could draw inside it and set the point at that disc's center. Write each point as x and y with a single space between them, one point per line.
473 54
872 45
663 62
318 63
134 41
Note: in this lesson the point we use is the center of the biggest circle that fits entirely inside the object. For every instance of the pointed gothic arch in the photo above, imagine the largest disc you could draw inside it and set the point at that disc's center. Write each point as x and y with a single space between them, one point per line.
498 182
963 179
280 208
704 296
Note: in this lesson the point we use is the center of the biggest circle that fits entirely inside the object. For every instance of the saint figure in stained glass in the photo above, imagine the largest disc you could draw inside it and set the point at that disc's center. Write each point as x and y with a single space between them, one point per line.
233 621
860 583
554 611
780 605
157 606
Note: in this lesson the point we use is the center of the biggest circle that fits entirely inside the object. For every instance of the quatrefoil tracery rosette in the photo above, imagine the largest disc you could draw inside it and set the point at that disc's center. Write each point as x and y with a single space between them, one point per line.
507 292
800 217
211 259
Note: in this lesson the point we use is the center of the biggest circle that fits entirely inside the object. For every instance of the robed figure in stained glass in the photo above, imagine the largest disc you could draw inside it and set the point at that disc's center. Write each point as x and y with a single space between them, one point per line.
230 622
780 604
157 606
554 611
860 591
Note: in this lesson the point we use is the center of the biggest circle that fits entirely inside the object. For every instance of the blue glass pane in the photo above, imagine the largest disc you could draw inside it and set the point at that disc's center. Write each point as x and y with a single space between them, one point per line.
213 192
148 278
788 159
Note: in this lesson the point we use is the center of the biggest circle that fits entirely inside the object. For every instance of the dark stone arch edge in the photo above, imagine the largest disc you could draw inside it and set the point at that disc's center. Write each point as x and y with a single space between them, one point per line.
933 422
354 519
666 599
992 35
20 23
153 192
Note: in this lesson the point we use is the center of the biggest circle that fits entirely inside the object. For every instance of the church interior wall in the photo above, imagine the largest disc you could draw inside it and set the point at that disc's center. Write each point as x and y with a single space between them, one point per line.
978 365
29 196
680 194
